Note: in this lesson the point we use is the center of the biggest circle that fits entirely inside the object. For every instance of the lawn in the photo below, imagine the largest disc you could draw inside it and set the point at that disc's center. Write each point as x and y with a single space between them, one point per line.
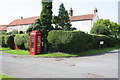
24 52
56 55
4 77
96 51
18 52
4 48
89 52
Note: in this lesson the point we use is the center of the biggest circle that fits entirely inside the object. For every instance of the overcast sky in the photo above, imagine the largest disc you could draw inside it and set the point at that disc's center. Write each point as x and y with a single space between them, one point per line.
14 9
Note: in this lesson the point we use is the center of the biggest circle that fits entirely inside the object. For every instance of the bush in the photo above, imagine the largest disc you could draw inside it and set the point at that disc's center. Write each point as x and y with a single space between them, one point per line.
14 32
22 41
100 29
68 41
9 41
76 41
20 32
2 41
3 33
26 41
118 43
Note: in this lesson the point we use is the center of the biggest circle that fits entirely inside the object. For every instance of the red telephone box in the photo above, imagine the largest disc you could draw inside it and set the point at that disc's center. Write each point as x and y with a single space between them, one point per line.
35 42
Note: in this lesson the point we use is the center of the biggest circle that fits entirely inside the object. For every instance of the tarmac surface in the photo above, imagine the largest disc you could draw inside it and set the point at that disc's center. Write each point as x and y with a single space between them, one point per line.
99 66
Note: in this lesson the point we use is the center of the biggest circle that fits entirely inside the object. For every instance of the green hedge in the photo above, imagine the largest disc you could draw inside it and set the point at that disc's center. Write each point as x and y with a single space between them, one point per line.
118 43
2 41
9 41
22 41
76 41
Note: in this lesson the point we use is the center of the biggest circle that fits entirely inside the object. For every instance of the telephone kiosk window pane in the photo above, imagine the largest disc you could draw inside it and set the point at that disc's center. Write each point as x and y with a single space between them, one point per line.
39 41
32 41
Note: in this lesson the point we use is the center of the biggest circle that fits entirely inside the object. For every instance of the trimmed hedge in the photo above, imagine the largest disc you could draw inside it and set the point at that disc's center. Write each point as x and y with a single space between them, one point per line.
76 41
22 41
2 41
9 41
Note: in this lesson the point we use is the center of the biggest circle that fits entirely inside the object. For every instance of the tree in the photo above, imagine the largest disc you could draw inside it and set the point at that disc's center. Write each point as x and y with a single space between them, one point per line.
99 29
35 26
114 29
63 19
55 21
106 27
45 19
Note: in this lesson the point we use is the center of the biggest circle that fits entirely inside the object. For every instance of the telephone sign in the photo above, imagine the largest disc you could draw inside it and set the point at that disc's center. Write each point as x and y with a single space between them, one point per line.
35 42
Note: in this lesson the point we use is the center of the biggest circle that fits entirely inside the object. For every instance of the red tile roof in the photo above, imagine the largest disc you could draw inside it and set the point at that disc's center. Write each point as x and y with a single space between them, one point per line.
3 27
82 17
23 21
31 20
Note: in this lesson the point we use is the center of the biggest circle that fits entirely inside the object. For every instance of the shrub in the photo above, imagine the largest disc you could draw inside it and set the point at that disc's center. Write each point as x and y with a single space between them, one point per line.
118 43
26 41
2 41
68 41
76 41
14 32
20 32
22 41
3 33
9 41
108 42
19 41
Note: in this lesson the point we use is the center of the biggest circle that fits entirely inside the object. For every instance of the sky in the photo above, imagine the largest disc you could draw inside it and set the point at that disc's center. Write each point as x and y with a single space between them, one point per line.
15 9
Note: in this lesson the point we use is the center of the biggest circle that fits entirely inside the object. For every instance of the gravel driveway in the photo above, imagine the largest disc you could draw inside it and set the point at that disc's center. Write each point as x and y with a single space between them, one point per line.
100 66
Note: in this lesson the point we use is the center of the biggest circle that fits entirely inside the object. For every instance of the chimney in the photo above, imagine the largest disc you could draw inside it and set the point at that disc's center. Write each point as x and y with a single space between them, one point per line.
70 12
21 17
95 11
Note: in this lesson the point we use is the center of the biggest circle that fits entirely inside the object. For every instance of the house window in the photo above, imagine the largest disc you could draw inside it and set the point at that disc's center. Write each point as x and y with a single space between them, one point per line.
84 24
1 27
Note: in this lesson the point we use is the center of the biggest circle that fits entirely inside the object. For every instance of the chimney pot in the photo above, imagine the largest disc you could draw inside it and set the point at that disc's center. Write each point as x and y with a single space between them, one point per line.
70 12
95 10
21 17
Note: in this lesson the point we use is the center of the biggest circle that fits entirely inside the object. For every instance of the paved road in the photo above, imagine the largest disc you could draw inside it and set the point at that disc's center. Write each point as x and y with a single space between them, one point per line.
101 66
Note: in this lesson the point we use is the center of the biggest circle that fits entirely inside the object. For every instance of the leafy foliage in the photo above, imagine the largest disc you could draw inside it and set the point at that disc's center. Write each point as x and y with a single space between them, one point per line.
20 32
62 21
22 41
46 15
15 31
3 33
76 41
100 29
9 41
106 27
35 26
114 29
2 41
46 21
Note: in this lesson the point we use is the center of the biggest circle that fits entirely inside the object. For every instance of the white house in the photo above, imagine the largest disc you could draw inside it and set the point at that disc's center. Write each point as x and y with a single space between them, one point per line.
21 24
82 22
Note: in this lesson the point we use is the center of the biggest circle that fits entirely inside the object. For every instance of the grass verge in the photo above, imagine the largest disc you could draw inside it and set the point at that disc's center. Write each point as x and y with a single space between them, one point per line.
4 77
18 52
96 51
86 53
4 48
56 55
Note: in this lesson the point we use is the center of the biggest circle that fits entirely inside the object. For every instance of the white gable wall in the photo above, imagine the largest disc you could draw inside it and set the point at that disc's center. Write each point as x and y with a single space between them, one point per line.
84 25
95 19
18 27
